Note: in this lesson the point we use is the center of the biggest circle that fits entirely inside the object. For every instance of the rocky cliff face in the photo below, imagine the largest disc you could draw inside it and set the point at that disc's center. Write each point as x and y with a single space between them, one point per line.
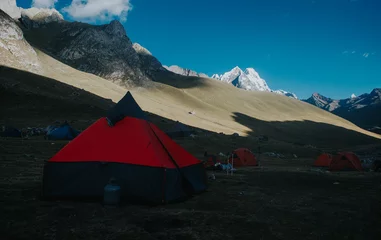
147 61
15 51
103 50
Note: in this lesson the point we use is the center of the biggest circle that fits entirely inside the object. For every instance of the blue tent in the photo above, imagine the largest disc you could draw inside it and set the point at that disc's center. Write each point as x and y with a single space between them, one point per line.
10 132
63 132
179 130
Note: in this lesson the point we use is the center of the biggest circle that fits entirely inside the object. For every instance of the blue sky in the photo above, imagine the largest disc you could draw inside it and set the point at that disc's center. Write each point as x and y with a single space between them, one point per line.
328 46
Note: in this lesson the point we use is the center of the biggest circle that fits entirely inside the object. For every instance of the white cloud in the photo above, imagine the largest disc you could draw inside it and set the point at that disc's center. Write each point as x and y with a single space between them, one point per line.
353 52
345 52
98 10
43 3
365 55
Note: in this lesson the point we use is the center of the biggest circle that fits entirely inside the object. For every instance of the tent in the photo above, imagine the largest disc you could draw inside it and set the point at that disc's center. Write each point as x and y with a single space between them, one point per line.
179 130
10 132
211 161
324 160
243 157
345 161
63 132
146 163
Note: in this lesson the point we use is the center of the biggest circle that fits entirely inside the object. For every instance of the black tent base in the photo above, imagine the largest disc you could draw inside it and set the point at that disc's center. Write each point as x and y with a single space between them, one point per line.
139 184
124 201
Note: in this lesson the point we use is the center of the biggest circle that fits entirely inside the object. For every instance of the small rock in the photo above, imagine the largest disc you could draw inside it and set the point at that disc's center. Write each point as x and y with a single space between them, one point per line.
336 183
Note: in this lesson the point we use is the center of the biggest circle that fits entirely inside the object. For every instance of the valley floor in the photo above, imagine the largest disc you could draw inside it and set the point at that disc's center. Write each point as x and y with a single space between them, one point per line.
282 199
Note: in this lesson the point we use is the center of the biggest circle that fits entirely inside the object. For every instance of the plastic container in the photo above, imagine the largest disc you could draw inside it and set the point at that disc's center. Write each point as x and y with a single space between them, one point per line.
111 195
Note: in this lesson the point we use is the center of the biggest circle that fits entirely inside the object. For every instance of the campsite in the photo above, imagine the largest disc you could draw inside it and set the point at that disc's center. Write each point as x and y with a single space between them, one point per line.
278 197
191 120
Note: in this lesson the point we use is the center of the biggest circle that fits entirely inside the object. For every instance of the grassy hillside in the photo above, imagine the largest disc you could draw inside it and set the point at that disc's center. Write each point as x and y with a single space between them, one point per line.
218 107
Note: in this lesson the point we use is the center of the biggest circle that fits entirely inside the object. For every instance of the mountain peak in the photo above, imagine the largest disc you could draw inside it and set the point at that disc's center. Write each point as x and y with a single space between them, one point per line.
376 91
115 28
353 95
10 7
248 80
42 14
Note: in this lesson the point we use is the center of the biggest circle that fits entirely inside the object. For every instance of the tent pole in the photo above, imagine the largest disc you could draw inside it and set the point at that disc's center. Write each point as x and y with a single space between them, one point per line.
231 171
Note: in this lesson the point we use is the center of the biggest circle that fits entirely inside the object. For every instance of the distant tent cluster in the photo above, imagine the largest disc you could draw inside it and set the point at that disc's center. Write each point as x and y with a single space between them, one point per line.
52 132
10 132
179 130
340 162
241 157
143 160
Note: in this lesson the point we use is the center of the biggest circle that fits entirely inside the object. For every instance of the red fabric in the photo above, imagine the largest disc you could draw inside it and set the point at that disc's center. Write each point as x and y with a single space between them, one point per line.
345 160
130 141
324 160
210 162
179 154
244 158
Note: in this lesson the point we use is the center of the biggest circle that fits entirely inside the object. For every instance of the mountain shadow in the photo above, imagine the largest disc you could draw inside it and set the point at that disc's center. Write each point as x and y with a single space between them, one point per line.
178 81
305 132
30 98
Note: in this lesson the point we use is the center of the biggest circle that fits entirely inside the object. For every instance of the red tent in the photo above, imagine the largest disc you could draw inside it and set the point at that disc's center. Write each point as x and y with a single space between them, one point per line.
244 157
345 161
145 162
211 161
324 160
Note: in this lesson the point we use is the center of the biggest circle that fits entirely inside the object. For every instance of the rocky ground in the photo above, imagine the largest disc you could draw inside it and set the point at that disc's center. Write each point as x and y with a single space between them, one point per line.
282 199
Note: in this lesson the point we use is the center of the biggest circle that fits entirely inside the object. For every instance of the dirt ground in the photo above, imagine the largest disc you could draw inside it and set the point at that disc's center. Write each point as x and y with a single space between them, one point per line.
282 199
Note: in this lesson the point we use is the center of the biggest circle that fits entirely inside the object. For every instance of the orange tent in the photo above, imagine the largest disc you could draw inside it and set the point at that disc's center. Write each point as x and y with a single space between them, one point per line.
345 161
324 160
243 157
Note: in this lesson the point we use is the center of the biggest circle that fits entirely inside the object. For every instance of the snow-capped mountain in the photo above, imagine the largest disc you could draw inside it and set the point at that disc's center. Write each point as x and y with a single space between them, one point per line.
363 110
184 71
287 94
248 80
34 17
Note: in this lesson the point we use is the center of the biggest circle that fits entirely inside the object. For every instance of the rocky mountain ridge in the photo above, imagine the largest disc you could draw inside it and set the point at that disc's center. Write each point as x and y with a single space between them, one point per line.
363 110
184 71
